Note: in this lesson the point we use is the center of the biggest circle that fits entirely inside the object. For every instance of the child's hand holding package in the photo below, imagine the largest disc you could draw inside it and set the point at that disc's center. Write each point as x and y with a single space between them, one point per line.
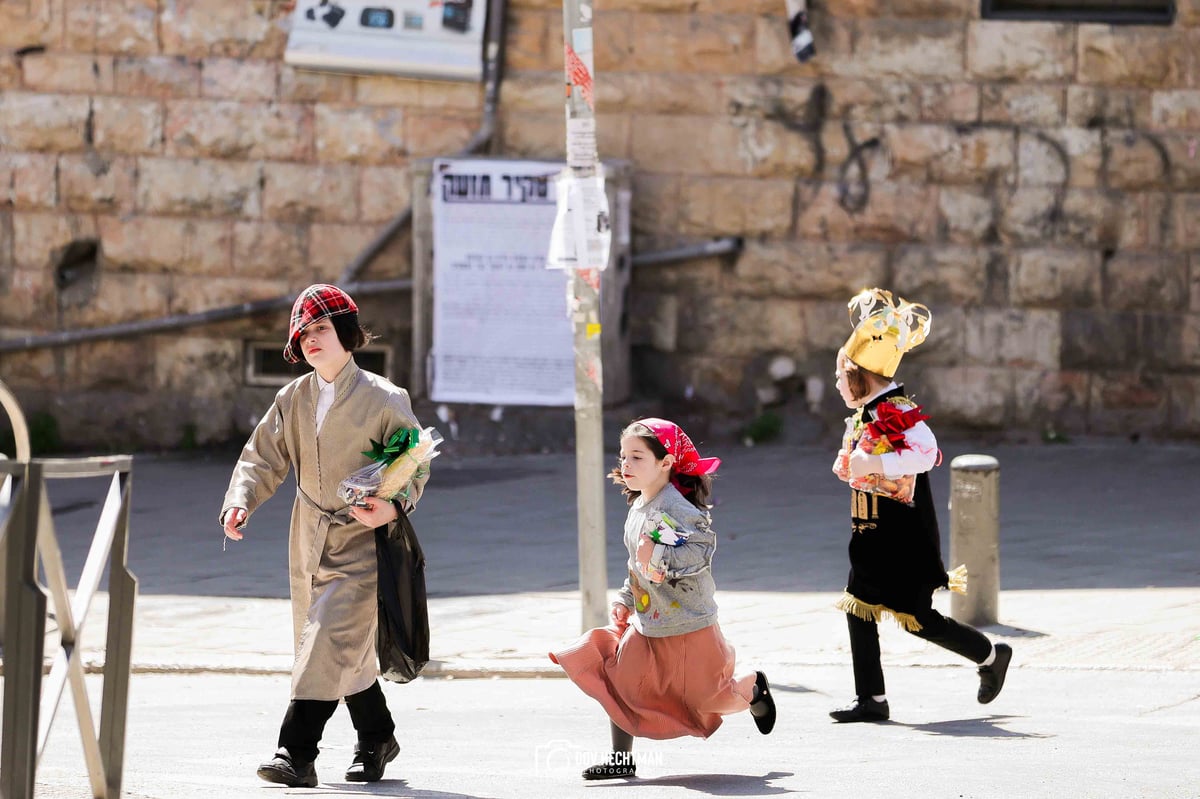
398 462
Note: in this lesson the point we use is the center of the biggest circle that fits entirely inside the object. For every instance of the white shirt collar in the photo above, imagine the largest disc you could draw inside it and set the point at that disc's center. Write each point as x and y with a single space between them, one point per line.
324 401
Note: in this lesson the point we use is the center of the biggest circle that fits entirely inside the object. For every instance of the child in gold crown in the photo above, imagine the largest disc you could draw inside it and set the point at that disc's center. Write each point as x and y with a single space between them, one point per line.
895 546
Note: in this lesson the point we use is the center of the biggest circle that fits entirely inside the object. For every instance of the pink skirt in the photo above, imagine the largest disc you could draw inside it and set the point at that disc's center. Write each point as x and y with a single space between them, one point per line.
658 687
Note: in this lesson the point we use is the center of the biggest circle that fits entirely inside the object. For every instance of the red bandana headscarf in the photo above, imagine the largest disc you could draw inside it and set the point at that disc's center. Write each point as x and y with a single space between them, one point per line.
318 301
679 446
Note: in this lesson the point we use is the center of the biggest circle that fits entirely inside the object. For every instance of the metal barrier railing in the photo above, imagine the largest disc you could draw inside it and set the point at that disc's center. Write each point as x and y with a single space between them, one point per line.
32 696
9 404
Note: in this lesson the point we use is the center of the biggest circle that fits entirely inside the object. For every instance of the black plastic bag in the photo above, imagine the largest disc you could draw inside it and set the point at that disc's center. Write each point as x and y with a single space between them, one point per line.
402 639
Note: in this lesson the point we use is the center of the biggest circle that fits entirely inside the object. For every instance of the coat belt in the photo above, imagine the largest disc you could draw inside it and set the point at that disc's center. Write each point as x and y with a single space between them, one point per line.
324 520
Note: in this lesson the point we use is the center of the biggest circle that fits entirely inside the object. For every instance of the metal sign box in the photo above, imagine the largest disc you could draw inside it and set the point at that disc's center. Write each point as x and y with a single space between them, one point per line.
440 40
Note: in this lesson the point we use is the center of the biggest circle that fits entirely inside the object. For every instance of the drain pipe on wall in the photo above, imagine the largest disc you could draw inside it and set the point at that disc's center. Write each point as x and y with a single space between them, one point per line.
729 245
493 67
493 71
142 327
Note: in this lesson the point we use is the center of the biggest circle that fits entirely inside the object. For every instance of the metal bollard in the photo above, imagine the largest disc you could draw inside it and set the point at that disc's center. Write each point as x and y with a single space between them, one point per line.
975 536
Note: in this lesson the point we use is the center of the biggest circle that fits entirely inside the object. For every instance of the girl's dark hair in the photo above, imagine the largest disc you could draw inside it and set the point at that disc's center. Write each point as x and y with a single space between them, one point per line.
350 333
858 379
696 488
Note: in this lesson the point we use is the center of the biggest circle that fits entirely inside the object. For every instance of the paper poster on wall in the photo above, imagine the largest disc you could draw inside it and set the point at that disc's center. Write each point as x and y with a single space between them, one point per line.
501 334
439 39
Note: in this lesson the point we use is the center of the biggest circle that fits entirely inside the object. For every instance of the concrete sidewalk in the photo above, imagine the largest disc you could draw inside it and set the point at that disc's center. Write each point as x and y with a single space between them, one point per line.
1152 629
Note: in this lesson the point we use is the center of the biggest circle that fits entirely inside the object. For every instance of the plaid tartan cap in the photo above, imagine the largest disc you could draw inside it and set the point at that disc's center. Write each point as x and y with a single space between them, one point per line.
318 301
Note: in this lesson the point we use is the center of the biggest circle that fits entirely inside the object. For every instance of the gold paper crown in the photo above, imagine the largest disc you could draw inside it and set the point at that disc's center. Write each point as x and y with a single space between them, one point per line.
884 330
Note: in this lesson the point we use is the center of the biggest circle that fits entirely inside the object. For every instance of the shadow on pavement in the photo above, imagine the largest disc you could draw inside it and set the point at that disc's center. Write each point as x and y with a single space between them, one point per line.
793 689
713 784
384 787
987 727
1008 631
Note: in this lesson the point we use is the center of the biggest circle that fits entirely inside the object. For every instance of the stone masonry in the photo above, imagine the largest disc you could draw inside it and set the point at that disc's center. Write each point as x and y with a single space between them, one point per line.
1036 184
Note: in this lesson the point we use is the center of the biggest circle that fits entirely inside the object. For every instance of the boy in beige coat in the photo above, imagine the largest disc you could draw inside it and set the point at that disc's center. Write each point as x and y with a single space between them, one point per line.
318 427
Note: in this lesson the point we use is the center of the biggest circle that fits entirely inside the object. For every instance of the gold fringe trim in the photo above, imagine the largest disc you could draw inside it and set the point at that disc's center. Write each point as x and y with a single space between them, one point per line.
849 603
958 579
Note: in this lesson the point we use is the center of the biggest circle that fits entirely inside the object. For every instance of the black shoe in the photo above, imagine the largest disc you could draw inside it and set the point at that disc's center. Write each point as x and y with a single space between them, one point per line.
371 759
991 678
287 770
864 708
618 764
763 706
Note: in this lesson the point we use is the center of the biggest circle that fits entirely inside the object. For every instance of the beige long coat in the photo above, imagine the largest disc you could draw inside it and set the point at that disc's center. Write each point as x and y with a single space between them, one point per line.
331 556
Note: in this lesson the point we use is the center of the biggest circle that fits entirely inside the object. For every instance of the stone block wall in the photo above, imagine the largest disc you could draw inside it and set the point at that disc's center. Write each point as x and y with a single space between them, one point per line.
1035 184
210 174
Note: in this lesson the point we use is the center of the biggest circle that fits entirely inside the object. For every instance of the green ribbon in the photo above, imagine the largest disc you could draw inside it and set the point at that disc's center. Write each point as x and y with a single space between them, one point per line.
401 441
667 521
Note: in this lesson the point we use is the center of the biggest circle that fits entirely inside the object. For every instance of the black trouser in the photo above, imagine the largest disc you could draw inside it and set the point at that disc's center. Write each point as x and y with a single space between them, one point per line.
621 740
305 721
935 628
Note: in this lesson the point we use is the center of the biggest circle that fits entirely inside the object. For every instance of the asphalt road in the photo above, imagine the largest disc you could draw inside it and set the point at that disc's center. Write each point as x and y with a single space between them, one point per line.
1103 515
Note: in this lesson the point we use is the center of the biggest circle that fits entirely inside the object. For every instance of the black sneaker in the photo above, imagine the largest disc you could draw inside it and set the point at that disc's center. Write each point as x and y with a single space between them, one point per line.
618 764
864 708
371 759
991 678
763 706
284 769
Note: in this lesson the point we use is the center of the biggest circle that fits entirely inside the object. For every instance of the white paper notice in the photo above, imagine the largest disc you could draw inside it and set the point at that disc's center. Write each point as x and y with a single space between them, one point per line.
581 142
501 334
582 234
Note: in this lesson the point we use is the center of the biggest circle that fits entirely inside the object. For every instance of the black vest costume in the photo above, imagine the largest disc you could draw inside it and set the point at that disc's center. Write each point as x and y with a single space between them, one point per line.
895 549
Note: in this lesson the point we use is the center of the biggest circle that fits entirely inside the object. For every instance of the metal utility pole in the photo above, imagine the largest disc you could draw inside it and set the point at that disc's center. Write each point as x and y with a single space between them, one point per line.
587 227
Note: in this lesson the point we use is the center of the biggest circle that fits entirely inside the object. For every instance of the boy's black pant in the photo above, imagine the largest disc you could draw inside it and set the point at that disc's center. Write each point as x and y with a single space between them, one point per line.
305 721
935 628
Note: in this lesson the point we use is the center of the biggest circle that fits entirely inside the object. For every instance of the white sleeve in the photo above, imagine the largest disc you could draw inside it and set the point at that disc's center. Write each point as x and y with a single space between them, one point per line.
921 454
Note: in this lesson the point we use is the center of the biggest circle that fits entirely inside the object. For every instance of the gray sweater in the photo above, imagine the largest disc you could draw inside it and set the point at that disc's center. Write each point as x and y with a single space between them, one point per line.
683 602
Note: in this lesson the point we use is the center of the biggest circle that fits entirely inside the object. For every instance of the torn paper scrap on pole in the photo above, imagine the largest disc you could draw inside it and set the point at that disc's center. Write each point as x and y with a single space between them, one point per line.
579 64
582 232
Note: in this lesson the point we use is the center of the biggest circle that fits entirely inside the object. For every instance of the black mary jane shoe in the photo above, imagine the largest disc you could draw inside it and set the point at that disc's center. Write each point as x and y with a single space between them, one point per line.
371 759
763 706
618 765
991 678
864 708
283 769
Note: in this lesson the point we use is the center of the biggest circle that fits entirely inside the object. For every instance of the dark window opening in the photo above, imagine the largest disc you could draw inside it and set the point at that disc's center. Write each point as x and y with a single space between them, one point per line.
265 365
1116 12
76 262
76 272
